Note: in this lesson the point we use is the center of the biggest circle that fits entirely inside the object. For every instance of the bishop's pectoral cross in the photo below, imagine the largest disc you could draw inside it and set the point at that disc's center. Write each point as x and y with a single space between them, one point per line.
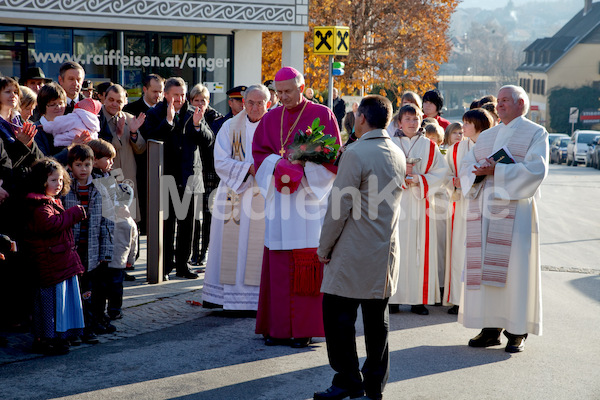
281 152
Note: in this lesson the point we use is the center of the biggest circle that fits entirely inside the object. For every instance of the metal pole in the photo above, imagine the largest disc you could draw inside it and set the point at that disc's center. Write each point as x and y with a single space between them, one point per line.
154 217
330 86
122 54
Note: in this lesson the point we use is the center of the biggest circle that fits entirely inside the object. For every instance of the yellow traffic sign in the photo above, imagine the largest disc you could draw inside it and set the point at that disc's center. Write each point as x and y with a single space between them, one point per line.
331 40
342 40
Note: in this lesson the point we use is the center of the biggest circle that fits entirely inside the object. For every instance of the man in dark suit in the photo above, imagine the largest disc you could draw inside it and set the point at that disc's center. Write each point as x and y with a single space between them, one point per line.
153 86
152 91
339 107
70 77
182 129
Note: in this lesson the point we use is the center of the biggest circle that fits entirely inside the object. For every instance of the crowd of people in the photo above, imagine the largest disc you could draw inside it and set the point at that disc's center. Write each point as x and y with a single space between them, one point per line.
301 242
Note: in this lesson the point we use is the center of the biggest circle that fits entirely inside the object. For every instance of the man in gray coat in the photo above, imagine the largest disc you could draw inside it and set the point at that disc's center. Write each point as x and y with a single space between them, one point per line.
360 247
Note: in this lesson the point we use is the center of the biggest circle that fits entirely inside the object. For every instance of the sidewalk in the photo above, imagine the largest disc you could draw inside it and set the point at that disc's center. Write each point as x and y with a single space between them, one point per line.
149 308
146 308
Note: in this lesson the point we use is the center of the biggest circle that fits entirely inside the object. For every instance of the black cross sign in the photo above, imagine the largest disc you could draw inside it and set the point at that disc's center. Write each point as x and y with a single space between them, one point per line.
323 39
343 38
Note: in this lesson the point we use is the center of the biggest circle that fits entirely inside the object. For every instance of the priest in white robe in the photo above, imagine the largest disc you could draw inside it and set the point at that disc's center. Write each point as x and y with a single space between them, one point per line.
232 277
502 287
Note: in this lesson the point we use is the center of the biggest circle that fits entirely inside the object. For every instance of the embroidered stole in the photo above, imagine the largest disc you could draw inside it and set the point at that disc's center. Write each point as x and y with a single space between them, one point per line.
501 214
233 212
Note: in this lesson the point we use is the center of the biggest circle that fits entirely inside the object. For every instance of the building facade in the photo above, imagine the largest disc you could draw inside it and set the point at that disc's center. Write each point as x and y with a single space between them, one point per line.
218 43
569 59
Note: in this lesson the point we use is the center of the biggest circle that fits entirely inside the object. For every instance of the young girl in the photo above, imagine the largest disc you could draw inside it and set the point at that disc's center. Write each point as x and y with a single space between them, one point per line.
475 121
49 244
453 134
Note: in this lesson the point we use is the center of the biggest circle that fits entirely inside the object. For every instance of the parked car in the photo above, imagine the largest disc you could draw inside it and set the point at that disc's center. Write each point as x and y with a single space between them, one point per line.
558 150
590 151
592 155
578 146
596 156
553 136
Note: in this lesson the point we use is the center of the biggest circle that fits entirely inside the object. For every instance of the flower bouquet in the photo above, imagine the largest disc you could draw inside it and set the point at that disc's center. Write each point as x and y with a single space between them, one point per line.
312 145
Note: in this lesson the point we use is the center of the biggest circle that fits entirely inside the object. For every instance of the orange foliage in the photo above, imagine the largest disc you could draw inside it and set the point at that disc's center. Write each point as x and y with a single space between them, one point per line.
399 45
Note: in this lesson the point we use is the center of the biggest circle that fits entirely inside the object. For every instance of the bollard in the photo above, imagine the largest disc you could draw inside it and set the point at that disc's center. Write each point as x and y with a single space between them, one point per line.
154 265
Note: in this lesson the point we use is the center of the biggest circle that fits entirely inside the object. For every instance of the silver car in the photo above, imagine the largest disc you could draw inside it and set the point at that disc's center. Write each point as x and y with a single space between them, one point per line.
578 146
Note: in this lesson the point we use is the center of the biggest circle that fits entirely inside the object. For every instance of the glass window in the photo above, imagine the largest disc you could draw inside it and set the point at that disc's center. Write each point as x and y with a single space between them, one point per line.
49 48
90 48
121 56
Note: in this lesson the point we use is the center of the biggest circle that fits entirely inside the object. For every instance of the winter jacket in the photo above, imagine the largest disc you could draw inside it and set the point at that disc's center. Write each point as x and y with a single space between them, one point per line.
100 229
49 243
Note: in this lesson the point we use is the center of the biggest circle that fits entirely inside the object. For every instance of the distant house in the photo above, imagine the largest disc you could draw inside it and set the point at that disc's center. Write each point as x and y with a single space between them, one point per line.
569 59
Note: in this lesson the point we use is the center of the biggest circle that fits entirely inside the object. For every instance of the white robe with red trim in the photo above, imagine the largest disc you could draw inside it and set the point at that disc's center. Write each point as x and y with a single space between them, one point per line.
516 307
456 227
418 281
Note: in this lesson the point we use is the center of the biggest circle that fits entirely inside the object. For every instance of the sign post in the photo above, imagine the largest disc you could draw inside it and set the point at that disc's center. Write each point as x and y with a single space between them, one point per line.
573 117
331 41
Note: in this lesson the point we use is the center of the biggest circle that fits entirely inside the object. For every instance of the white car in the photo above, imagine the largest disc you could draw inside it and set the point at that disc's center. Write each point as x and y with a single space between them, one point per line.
578 146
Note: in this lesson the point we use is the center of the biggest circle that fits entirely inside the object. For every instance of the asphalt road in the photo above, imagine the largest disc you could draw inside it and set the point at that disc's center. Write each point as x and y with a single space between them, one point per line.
186 352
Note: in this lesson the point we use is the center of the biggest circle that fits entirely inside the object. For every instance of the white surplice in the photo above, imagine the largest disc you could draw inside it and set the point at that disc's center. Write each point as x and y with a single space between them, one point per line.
293 221
456 227
233 177
516 307
418 281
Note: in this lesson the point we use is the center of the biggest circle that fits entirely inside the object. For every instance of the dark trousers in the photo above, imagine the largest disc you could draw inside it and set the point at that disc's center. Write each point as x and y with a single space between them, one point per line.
107 287
339 317
86 282
182 249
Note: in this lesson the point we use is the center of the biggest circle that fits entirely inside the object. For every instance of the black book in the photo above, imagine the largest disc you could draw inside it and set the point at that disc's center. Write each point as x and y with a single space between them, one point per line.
502 156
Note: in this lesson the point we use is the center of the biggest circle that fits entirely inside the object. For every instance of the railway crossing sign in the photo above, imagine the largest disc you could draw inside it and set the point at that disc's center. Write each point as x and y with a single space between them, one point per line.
331 40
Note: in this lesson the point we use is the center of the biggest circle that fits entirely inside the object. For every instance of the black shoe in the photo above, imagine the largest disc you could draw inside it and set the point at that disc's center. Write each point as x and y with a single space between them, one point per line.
187 275
202 259
337 393
75 341
102 329
39 346
486 338
118 315
453 310
90 338
128 278
394 308
419 309
271 341
516 343
298 343
208 304
57 347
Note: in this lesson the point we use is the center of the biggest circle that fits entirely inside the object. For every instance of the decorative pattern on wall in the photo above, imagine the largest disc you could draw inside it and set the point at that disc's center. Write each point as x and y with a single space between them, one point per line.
198 11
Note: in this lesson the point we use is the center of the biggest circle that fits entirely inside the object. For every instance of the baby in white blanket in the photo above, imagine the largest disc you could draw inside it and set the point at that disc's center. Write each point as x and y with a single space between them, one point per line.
83 118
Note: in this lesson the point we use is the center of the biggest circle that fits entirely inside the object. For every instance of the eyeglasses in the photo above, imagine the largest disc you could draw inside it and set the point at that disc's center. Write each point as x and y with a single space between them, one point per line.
252 104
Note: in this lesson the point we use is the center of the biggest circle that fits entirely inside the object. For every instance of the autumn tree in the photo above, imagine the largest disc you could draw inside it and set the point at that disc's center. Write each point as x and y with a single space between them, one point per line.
395 45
